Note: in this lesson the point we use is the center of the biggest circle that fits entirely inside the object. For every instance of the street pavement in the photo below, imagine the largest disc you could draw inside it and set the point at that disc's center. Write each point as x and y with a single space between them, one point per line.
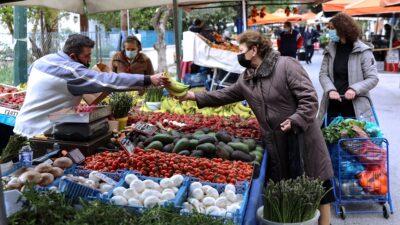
386 99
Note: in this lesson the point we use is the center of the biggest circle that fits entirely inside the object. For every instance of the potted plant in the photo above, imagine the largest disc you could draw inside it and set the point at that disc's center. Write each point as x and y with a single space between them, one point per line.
11 151
293 201
121 104
153 98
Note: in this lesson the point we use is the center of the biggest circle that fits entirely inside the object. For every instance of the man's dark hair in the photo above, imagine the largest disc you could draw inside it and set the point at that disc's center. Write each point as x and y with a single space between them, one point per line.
287 24
76 42
197 22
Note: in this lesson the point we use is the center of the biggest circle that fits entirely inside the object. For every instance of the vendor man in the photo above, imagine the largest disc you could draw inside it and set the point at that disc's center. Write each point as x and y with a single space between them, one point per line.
59 80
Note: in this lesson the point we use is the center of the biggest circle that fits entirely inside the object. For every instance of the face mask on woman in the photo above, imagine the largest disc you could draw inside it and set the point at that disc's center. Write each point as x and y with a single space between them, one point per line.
333 36
243 61
131 54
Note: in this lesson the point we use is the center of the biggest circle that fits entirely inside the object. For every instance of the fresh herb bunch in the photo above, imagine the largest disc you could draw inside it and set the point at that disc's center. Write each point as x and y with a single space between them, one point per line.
293 200
11 151
343 129
153 94
51 208
121 104
43 208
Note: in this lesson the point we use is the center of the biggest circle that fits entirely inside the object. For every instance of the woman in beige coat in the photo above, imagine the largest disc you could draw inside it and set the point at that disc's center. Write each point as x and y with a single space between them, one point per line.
348 71
285 103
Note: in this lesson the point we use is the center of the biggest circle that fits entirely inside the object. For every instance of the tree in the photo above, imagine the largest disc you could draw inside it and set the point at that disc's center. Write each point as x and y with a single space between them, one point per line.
159 21
108 19
47 20
139 18
7 16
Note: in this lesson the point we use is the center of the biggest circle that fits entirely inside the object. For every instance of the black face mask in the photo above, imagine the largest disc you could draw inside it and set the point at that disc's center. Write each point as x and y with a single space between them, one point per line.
243 61
87 65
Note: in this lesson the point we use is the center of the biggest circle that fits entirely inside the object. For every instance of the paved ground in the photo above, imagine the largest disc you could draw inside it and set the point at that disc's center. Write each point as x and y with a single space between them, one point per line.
386 98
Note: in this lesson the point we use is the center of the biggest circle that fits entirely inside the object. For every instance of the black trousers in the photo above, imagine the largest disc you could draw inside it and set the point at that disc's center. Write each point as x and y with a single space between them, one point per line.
5 133
309 52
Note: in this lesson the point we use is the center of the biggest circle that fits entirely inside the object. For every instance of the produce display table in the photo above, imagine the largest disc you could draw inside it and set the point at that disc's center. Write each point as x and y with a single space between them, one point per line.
255 195
7 116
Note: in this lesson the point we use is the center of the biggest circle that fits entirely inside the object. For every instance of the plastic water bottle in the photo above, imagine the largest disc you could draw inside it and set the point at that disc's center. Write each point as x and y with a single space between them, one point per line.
56 147
26 156
361 117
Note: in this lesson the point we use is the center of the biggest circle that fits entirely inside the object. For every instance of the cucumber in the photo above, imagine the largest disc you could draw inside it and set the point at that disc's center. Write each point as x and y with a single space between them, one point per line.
212 134
197 153
239 155
251 143
164 138
223 136
148 141
184 152
168 148
193 144
198 136
207 148
207 139
239 146
182 144
221 152
155 145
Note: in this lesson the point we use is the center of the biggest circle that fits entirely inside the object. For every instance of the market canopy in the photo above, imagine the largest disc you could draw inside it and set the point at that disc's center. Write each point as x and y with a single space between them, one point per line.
308 16
391 3
292 17
335 5
95 6
370 7
267 19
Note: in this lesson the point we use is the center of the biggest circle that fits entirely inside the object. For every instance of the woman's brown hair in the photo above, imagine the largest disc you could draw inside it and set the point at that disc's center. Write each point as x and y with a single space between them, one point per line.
254 38
346 27
134 40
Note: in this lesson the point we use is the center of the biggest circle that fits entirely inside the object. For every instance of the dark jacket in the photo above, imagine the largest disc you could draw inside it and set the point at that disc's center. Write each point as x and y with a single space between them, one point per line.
309 38
140 65
280 89
289 42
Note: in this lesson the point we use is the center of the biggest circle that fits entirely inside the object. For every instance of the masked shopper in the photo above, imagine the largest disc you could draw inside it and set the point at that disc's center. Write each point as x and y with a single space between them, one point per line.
285 103
131 59
348 70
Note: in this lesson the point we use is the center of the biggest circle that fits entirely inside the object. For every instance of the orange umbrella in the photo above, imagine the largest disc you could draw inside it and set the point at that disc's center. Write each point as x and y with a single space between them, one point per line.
308 16
335 5
267 19
391 3
292 17
369 7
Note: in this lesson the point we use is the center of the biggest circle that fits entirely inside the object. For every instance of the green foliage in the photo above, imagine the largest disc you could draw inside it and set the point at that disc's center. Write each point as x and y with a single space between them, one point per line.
140 19
344 129
293 200
108 19
51 208
6 16
120 103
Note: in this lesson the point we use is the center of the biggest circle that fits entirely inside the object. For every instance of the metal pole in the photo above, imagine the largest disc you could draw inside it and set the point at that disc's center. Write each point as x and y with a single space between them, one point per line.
20 47
97 43
244 15
177 40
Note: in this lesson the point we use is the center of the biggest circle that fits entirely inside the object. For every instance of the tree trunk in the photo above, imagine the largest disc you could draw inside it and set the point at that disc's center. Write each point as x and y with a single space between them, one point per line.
84 23
124 21
159 21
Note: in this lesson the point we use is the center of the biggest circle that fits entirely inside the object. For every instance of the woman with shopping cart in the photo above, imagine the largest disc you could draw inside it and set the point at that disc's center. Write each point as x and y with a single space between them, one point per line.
282 97
348 70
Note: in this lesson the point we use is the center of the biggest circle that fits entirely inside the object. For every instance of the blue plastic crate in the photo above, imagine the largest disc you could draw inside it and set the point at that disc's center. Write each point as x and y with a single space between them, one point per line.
16 166
241 188
177 201
74 190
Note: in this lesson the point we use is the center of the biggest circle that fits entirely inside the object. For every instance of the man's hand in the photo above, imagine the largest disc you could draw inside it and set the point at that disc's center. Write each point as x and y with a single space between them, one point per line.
334 95
189 96
286 125
350 94
159 80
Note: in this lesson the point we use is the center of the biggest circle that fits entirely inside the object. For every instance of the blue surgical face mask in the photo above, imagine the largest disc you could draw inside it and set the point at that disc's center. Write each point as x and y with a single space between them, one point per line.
333 36
130 54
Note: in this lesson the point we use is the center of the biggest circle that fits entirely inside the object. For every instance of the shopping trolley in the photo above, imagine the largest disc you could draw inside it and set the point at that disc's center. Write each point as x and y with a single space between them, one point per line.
361 172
